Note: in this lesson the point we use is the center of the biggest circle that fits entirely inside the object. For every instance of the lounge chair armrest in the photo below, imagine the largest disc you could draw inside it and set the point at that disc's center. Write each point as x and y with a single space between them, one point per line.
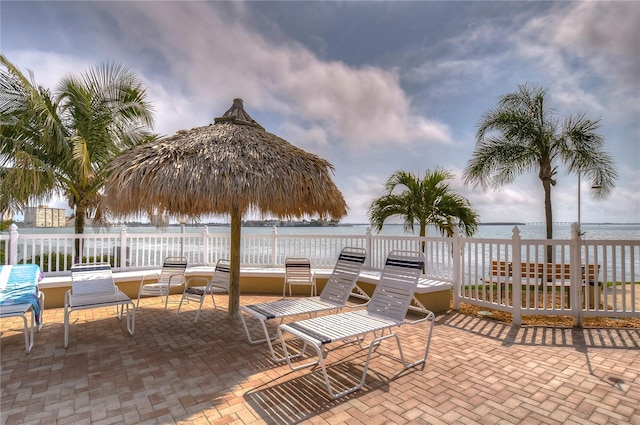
180 276
356 306
196 279
429 316
145 276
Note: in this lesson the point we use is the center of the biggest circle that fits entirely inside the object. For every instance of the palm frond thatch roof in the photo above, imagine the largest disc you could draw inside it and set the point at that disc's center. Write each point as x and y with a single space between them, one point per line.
212 169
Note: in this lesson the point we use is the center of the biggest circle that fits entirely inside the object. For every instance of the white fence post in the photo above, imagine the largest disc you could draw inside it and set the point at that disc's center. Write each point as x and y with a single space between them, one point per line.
516 275
367 244
205 245
123 248
13 244
576 275
274 245
456 252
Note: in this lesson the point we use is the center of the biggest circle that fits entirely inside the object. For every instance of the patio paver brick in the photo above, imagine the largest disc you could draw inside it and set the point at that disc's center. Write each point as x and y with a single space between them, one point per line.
174 371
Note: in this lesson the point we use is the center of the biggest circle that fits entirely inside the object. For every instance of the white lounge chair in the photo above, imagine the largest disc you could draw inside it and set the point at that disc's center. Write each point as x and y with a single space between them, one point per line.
334 296
92 286
297 272
172 275
19 297
386 310
218 284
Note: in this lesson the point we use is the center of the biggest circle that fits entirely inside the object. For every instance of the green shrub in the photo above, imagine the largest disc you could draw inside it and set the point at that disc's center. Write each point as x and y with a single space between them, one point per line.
59 260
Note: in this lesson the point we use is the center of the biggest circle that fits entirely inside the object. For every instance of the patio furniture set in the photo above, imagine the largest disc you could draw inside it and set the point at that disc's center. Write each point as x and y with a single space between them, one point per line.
304 342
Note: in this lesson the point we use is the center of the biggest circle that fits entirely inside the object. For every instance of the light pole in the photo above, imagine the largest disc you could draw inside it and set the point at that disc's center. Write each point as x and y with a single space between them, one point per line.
577 321
595 186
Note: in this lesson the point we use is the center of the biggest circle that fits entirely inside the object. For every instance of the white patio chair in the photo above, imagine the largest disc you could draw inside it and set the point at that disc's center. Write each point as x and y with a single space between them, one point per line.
218 284
172 275
334 296
386 310
92 286
20 297
297 272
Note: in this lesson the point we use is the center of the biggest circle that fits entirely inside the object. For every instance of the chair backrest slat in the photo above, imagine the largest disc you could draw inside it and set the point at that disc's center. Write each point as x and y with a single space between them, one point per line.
173 270
221 275
344 276
398 282
92 278
297 270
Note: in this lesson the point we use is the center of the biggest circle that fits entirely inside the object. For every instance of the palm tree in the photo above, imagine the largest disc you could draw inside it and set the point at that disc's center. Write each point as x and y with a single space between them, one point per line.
520 135
62 143
427 200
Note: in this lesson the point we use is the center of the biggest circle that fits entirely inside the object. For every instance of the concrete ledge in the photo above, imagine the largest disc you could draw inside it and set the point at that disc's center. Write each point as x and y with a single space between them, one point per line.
253 280
431 292
426 284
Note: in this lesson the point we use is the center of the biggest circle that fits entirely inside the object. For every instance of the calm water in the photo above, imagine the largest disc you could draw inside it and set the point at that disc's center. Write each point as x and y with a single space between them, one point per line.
593 232
561 231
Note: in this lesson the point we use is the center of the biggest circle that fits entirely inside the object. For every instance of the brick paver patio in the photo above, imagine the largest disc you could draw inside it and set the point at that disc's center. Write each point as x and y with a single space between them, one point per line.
175 371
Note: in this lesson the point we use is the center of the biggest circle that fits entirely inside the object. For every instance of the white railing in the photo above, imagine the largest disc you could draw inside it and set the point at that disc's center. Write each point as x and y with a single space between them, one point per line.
614 292
568 277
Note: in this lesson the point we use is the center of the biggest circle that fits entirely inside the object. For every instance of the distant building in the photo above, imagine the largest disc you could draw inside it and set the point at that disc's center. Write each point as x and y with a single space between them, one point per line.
43 216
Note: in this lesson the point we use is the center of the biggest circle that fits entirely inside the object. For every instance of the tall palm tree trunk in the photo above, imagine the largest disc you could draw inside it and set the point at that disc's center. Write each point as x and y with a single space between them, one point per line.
549 217
79 224
423 233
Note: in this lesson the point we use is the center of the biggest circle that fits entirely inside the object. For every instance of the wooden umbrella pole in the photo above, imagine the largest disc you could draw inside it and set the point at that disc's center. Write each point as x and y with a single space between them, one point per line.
234 286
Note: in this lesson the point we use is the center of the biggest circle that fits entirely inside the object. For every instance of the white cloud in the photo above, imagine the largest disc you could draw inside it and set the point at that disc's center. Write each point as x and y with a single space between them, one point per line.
195 57
173 110
602 33
221 59
360 192
313 139
48 67
588 44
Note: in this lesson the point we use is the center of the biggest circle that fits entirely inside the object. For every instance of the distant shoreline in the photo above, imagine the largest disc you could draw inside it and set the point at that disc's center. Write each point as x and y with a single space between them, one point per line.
325 225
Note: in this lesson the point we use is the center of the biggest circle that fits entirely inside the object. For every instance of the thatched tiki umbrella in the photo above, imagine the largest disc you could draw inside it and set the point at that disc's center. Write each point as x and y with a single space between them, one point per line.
232 166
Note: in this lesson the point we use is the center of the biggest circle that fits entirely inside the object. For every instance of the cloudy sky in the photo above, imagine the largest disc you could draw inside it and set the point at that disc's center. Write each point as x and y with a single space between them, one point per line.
373 87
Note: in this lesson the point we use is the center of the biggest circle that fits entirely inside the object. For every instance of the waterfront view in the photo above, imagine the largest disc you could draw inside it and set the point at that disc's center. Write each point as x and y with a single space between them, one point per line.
492 231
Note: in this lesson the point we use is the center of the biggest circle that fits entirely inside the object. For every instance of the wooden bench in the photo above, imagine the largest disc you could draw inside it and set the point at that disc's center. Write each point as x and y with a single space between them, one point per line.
534 273
531 273
499 272
544 274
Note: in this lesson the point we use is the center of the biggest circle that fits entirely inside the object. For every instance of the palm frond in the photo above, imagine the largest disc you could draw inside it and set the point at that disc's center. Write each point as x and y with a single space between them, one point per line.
522 135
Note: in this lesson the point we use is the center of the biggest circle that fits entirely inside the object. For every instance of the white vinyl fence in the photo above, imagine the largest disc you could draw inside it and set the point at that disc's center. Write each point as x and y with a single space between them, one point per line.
570 277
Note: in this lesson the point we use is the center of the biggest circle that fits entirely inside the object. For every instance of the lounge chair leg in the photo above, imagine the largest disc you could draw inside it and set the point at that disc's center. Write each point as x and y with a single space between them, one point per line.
66 328
33 321
268 338
199 308
320 354
288 357
246 332
131 319
28 333
179 306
